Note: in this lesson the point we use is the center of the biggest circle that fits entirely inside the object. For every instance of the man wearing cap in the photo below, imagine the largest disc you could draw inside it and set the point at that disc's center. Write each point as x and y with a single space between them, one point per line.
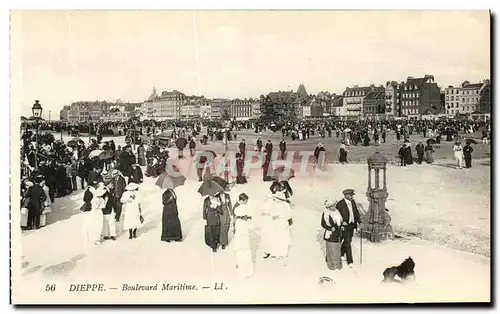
351 219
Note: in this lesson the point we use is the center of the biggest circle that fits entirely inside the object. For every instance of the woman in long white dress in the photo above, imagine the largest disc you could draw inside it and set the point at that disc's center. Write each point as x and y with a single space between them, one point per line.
241 239
131 209
458 154
93 217
276 230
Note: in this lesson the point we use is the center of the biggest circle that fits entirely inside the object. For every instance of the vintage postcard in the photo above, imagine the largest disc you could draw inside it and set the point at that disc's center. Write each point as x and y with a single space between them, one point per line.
250 157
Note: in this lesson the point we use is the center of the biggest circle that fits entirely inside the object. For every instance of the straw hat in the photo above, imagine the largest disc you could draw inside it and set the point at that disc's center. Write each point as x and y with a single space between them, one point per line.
132 186
330 203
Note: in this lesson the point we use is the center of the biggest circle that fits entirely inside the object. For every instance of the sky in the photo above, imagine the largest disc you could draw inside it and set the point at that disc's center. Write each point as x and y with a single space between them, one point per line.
59 57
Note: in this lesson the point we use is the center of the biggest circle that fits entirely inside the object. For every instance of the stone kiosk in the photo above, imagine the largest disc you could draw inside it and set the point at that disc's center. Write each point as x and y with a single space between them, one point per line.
376 222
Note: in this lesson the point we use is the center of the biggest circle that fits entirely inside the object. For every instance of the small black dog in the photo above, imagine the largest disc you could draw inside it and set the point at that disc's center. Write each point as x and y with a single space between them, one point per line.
404 271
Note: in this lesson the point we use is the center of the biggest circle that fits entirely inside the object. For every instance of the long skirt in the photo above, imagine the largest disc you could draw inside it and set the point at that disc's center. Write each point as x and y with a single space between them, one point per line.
224 234
92 226
212 235
459 159
243 255
429 157
333 255
171 228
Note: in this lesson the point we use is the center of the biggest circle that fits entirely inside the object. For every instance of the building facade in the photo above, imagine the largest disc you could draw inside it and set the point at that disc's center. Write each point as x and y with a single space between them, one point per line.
465 99
324 99
420 96
485 97
64 113
452 100
241 109
83 111
392 99
255 103
353 99
470 97
165 106
337 108
374 104
280 104
206 110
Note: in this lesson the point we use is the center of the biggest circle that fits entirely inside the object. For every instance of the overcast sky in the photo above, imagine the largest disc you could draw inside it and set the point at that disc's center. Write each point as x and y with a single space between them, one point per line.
60 57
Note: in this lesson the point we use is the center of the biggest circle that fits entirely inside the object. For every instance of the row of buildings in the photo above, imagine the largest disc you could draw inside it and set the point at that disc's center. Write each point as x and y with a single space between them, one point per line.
413 98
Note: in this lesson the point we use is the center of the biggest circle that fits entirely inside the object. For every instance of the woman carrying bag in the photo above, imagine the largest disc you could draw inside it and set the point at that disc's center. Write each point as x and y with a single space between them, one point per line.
331 221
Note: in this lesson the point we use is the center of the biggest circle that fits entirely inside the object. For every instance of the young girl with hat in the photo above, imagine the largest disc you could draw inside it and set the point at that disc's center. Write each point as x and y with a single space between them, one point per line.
132 209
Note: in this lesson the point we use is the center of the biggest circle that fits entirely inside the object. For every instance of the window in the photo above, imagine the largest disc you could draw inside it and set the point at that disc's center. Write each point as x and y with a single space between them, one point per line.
467 92
447 91
463 99
452 98
447 97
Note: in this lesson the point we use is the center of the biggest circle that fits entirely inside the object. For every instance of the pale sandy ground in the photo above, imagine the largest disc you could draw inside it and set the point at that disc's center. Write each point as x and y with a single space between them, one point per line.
445 209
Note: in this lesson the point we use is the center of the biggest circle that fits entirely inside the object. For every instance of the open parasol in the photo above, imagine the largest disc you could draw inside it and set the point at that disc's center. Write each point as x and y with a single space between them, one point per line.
95 153
212 186
167 181
470 141
101 154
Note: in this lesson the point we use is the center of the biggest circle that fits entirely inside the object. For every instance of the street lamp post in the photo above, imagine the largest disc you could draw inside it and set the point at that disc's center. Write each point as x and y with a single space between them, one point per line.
37 113
90 128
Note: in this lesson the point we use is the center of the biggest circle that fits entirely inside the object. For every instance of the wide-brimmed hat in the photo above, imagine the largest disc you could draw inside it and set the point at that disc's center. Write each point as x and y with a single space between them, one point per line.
330 203
115 172
132 186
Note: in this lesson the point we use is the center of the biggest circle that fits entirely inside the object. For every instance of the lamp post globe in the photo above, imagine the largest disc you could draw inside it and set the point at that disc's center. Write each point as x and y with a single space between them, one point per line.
37 114
37 109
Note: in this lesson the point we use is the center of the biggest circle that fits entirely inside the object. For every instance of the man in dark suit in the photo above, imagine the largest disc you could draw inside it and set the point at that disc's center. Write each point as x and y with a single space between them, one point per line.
119 185
351 220
36 199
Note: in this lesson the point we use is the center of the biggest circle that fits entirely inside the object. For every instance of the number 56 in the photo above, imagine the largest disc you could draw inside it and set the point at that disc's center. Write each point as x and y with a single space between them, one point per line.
50 288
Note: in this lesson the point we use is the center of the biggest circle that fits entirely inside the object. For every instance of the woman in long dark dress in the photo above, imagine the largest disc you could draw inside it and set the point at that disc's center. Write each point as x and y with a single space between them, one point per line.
408 156
171 225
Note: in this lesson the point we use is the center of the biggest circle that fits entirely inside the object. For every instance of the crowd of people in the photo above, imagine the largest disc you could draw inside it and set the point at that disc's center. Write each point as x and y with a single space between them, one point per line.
111 177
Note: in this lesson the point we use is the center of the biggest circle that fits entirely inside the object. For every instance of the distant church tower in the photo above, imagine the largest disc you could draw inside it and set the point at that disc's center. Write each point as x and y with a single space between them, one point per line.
301 91
153 94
